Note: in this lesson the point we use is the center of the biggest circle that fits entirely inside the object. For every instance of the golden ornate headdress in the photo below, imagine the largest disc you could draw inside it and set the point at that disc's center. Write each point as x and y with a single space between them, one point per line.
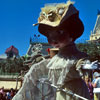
52 14
60 16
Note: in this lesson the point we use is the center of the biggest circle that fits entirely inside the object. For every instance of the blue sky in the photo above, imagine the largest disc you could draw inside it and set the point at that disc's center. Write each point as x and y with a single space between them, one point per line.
17 17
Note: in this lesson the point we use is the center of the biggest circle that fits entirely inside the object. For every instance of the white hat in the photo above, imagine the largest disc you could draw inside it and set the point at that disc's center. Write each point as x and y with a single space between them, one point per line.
96 74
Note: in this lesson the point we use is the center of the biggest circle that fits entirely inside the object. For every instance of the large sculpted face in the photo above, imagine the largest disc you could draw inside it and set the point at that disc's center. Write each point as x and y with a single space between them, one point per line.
59 38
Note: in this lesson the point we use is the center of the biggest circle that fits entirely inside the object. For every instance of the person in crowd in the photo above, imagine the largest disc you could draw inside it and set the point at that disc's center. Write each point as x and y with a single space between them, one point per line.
8 96
95 75
4 96
61 25
12 93
96 84
90 87
2 90
1 96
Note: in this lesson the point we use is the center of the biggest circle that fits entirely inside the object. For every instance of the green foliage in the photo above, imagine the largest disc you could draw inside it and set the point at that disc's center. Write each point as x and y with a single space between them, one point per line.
16 65
92 49
12 65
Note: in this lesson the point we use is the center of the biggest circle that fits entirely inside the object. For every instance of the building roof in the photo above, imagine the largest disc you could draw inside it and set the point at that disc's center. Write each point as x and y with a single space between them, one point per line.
38 40
45 46
12 49
97 24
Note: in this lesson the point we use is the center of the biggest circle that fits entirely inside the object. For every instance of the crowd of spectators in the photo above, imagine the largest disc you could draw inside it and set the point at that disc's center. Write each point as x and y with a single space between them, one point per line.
94 86
6 95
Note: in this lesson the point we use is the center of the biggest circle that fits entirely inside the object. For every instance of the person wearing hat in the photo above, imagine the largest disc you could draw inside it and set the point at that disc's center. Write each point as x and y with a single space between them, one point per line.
96 84
61 24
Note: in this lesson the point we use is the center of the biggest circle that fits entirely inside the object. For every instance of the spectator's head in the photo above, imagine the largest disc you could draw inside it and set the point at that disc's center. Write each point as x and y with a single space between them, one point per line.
11 89
86 78
96 74
2 90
